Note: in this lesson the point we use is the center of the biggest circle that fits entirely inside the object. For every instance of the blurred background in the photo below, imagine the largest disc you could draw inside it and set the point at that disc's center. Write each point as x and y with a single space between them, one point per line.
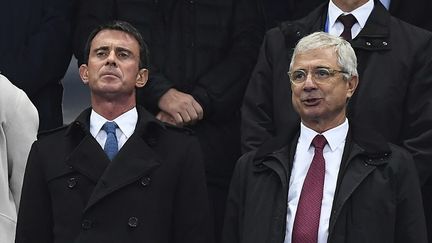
76 96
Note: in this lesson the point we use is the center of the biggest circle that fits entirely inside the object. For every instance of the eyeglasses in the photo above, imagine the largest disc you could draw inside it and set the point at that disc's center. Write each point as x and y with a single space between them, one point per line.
319 75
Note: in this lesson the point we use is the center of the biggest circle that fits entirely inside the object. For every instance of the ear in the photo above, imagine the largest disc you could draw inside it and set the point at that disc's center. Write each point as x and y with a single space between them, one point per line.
142 78
83 71
352 85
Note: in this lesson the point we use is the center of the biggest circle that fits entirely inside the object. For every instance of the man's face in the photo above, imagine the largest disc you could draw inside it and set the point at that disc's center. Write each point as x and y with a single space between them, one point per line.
113 66
321 102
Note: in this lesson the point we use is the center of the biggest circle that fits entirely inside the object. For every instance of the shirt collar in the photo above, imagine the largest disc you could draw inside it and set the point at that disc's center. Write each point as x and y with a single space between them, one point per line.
126 122
335 136
361 13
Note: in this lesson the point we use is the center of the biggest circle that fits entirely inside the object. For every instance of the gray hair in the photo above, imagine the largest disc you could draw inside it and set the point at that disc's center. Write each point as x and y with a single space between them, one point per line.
347 59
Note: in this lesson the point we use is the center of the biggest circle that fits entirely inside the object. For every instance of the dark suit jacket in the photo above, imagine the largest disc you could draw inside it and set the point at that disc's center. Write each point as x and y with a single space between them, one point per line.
277 11
377 197
35 51
416 12
153 191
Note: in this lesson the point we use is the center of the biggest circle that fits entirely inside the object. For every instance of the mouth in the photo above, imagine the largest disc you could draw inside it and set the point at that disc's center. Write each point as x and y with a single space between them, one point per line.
110 74
311 101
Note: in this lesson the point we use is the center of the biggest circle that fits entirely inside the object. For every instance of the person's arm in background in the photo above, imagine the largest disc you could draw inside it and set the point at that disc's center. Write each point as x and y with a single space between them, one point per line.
219 92
410 218
90 14
257 124
46 55
417 130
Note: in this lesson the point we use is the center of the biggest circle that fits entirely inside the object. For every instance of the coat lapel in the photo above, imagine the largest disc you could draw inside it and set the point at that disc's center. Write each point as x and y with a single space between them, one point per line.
364 151
85 154
356 172
135 159
88 158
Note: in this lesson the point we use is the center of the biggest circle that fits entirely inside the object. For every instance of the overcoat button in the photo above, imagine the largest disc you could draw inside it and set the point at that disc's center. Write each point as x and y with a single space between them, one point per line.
72 182
133 222
145 181
86 224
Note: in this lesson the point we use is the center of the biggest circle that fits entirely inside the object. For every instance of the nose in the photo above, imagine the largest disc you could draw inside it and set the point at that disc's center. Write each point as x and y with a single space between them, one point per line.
309 84
111 59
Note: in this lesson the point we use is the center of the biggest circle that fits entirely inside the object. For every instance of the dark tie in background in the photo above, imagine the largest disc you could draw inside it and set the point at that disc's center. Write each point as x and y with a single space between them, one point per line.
306 222
111 145
348 21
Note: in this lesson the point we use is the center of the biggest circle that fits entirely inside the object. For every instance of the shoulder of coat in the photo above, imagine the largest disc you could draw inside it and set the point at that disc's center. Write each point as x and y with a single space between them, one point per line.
46 133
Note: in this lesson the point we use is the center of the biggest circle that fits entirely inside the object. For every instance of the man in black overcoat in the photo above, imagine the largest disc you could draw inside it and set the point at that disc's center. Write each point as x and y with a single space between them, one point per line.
202 54
393 98
355 187
142 182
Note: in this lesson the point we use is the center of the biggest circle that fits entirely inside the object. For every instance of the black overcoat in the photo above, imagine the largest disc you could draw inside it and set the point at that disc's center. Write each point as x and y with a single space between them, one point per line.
205 48
153 191
377 197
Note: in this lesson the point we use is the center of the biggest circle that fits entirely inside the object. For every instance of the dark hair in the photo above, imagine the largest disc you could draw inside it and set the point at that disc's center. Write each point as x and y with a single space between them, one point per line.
127 28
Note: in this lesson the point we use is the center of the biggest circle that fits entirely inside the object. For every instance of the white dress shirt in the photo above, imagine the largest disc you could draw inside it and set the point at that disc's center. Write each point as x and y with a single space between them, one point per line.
126 126
386 3
361 14
332 152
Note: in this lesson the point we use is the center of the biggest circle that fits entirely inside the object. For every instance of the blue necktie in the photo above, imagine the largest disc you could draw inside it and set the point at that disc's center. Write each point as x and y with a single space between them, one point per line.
111 145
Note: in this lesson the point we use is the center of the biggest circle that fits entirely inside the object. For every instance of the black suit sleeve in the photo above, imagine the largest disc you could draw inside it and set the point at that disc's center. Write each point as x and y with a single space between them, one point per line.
35 223
410 221
47 52
225 83
257 123
90 15
417 132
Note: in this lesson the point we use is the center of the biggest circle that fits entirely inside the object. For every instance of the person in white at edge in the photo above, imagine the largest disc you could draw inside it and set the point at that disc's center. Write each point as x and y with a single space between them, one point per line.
19 125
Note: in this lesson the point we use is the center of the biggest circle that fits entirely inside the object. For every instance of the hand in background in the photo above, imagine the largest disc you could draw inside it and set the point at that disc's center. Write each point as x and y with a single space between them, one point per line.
179 108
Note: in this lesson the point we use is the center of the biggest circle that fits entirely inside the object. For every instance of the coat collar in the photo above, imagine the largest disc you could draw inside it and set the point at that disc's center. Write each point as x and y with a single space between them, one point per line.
362 142
374 36
136 158
376 33
373 147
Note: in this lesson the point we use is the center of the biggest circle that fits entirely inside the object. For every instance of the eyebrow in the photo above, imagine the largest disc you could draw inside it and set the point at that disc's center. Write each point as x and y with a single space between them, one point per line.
102 48
315 67
117 49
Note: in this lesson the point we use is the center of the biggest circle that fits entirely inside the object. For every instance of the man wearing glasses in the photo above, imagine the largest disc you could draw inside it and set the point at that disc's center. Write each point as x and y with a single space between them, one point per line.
394 96
334 181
